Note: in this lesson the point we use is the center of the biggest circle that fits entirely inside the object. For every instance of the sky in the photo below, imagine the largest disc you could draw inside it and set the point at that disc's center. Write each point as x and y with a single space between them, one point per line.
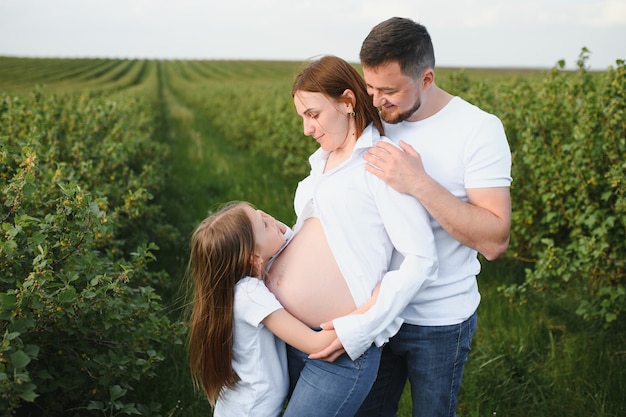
465 33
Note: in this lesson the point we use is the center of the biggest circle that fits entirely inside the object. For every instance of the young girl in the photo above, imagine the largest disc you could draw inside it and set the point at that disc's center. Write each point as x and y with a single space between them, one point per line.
233 353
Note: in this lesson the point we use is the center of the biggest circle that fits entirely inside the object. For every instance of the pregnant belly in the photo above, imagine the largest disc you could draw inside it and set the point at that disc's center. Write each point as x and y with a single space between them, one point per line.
306 279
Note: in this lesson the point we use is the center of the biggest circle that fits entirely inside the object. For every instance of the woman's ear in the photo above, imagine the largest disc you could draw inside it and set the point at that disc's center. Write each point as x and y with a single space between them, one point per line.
349 99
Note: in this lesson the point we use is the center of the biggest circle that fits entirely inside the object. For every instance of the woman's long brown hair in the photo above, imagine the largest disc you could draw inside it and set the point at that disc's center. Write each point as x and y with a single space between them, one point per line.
222 247
331 76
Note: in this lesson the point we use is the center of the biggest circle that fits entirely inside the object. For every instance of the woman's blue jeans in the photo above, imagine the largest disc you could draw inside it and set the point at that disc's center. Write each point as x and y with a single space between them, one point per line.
432 357
329 389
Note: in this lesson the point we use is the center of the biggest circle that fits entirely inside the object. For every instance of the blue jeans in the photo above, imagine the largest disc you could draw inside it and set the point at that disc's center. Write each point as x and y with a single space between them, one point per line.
329 389
432 357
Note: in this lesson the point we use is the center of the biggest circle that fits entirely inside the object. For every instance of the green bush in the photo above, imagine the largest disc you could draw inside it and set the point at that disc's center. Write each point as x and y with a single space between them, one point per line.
567 134
81 325
568 140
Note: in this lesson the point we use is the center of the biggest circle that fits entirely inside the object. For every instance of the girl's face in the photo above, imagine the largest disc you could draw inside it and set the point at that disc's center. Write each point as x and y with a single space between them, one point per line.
268 233
328 121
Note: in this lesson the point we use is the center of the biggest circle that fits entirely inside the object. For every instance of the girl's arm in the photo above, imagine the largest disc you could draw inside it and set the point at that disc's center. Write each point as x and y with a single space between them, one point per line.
297 334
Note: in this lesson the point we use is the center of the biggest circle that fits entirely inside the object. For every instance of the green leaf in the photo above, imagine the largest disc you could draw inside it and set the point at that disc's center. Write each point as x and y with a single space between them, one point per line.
21 326
95 405
28 395
19 359
116 392
7 302
29 189
67 296
32 350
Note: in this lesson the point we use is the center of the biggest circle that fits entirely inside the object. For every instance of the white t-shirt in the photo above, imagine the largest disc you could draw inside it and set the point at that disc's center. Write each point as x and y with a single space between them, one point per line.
461 147
259 358
364 219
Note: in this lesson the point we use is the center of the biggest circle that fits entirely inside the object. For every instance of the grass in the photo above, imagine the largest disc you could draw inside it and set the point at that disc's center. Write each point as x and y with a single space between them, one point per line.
538 358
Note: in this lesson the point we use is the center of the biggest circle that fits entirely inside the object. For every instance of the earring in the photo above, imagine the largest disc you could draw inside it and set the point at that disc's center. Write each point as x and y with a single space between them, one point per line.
352 113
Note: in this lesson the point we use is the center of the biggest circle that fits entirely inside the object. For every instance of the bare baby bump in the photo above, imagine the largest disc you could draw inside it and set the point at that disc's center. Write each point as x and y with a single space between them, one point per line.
306 279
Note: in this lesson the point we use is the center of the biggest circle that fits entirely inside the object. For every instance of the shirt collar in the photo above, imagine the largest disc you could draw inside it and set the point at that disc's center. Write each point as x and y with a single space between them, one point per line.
367 139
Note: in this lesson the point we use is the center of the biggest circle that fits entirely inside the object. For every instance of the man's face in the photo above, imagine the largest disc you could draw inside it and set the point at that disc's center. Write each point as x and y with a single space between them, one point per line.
397 95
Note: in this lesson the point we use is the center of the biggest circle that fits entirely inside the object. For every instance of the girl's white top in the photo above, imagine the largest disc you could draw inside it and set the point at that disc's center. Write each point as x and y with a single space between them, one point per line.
259 358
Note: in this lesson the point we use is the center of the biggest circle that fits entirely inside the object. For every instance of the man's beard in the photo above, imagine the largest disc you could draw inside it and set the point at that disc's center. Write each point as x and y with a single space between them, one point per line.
394 118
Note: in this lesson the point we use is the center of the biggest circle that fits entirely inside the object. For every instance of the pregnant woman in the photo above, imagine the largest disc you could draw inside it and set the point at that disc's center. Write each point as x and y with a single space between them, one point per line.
349 222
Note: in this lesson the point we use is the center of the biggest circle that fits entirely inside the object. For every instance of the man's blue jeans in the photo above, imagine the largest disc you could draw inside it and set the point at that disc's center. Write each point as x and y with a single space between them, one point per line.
329 389
433 358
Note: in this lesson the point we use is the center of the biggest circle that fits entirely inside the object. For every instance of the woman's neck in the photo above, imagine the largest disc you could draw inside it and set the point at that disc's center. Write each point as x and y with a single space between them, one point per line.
340 155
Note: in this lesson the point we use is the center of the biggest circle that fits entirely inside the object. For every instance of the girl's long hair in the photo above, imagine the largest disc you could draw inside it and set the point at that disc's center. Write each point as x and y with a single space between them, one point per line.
221 252
331 76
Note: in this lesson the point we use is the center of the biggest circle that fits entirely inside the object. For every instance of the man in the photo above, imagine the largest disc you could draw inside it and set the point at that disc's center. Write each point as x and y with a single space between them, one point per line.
454 158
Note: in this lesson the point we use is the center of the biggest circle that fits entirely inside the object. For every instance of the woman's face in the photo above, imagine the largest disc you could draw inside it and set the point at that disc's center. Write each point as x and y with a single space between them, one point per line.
328 121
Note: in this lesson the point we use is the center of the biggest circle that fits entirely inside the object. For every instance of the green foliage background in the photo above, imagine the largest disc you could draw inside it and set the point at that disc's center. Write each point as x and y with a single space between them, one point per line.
107 166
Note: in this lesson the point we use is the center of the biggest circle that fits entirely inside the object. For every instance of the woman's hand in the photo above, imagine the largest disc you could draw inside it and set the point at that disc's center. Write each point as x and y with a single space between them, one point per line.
332 351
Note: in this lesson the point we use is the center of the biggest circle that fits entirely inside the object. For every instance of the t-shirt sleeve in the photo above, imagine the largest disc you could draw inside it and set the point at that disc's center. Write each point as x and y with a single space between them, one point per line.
254 302
488 156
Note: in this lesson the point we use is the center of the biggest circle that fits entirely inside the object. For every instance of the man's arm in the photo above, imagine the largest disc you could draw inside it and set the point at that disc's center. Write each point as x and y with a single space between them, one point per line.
482 224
